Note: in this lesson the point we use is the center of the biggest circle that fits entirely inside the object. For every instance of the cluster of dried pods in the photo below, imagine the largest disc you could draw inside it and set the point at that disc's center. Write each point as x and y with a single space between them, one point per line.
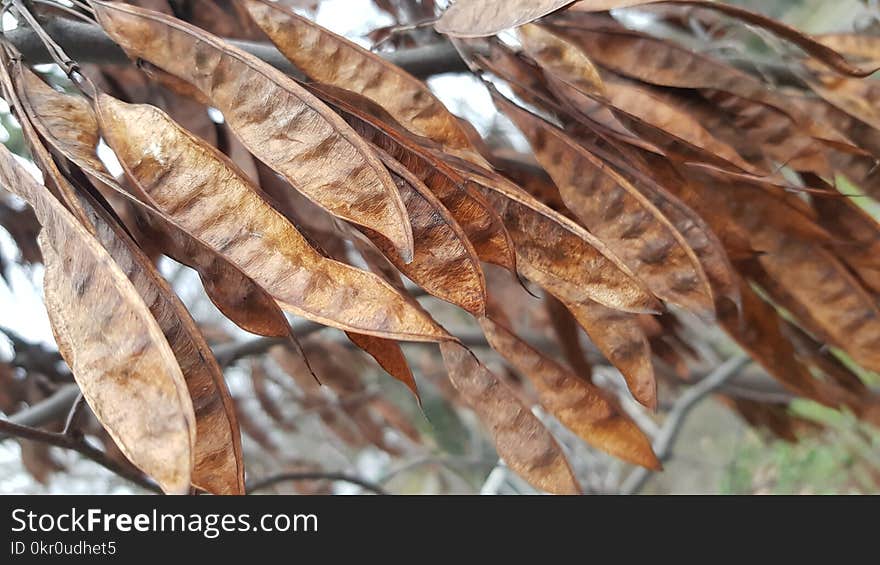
654 184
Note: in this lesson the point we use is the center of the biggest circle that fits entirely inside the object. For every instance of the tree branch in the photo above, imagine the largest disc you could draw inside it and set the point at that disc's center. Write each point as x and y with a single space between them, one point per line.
87 43
665 440
81 446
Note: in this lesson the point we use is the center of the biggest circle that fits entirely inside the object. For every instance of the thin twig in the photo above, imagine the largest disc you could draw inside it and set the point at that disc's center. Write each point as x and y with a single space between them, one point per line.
81 446
401 29
665 440
71 425
313 476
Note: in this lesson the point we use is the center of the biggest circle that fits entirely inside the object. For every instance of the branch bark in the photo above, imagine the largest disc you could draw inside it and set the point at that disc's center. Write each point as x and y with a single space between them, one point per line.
669 432
87 43
81 446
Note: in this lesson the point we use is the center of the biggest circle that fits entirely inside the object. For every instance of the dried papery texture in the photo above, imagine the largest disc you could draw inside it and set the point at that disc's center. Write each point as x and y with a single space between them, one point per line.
524 76
528 175
444 263
579 405
66 120
218 467
481 223
378 263
757 328
563 257
482 18
230 146
818 355
582 85
225 18
641 111
568 335
205 193
836 300
562 58
217 458
861 46
69 125
617 335
858 235
761 134
522 441
660 62
700 238
620 338
331 59
748 219
614 210
63 192
862 134
117 353
812 46
276 119
858 98
390 357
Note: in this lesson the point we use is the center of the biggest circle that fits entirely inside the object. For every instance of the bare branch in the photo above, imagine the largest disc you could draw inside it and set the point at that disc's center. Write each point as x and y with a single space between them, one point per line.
81 446
87 43
665 440
49 410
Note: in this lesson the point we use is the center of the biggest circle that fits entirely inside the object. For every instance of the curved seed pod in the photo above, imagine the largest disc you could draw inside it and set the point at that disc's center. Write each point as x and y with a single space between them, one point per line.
656 61
70 126
700 238
205 193
622 340
521 439
119 357
757 329
858 98
684 130
218 467
704 243
390 357
444 263
481 18
563 58
812 46
217 459
563 257
859 233
581 406
276 119
861 45
836 300
614 210
661 130
482 224
331 59
558 249
567 333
